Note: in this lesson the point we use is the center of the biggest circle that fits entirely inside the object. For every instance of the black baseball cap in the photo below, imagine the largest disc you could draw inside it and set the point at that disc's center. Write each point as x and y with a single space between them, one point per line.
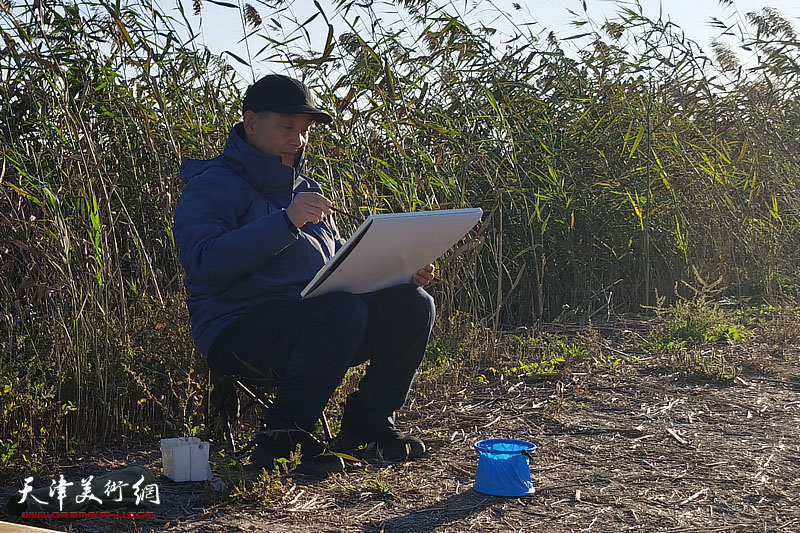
282 94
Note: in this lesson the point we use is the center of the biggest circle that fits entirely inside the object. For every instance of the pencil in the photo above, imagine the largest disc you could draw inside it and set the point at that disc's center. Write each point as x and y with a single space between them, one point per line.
345 213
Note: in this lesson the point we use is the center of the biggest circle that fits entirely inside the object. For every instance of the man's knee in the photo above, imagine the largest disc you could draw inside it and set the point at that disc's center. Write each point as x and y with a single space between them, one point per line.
419 303
426 301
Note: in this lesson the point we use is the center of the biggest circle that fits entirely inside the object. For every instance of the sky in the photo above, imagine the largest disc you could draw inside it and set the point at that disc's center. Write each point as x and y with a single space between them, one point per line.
222 26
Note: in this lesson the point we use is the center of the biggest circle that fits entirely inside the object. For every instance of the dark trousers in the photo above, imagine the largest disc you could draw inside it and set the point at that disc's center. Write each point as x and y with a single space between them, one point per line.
309 345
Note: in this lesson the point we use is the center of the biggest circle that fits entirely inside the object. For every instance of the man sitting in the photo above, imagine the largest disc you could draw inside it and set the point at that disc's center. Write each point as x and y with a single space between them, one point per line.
252 232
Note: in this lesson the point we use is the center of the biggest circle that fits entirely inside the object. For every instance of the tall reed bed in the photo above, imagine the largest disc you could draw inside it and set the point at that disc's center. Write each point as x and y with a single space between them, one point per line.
98 103
607 176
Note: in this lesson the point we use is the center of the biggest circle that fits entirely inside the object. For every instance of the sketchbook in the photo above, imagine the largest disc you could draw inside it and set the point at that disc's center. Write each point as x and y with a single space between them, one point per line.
386 250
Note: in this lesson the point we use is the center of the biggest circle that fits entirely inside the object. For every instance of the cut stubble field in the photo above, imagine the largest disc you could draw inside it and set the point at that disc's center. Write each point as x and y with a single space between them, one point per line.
645 444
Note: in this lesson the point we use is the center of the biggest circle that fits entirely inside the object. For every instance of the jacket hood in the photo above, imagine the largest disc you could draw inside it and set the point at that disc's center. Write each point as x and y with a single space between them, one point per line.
191 168
264 172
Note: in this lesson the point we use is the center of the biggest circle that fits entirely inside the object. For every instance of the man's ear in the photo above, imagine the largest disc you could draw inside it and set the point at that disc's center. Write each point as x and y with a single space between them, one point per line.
249 119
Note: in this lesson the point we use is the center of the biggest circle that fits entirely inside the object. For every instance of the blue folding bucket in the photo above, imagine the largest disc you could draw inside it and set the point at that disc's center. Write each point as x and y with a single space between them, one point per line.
503 467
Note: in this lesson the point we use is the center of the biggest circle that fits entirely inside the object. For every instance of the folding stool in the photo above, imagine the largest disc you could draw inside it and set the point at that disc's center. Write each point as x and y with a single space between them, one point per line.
256 387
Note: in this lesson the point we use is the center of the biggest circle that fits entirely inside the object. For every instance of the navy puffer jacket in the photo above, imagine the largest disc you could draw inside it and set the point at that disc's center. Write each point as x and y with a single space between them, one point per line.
237 246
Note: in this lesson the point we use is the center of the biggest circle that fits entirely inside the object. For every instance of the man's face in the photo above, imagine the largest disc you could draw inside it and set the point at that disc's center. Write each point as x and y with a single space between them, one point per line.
277 133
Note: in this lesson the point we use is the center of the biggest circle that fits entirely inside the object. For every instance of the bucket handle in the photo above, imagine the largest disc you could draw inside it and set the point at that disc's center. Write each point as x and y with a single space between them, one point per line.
527 454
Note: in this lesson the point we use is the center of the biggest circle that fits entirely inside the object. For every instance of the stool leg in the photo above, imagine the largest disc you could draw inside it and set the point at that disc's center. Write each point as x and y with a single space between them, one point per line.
209 422
229 433
226 403
326 427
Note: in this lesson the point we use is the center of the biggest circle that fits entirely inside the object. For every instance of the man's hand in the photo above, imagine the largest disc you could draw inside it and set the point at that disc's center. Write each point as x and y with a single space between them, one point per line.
424 276
308 207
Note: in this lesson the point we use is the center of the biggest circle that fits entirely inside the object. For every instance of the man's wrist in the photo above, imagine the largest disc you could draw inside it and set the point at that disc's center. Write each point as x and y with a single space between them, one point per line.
289 222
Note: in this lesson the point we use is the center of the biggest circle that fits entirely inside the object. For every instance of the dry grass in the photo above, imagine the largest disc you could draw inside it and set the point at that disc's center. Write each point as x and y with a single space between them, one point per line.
641 445
625 167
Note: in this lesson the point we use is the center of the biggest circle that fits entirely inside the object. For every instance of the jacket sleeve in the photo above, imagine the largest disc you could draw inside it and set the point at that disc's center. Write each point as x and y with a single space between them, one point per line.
214 250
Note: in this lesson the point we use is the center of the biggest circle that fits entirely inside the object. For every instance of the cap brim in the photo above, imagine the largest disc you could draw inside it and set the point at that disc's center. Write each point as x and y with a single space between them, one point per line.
317 115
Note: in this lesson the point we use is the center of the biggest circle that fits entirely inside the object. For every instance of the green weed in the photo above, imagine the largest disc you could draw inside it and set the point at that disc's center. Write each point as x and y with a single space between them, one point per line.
692 322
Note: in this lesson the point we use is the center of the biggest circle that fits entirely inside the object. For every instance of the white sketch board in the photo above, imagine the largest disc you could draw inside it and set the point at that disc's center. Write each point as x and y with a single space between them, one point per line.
386 250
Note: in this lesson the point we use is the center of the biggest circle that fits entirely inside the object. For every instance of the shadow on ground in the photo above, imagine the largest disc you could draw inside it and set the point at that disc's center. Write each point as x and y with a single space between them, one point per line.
453 509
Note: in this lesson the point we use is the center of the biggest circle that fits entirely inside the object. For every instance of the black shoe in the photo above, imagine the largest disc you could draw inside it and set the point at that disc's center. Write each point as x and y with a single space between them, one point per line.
387 444
315 459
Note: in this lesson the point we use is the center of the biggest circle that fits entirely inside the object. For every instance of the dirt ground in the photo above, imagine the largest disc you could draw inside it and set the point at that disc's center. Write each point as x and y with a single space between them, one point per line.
641 446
